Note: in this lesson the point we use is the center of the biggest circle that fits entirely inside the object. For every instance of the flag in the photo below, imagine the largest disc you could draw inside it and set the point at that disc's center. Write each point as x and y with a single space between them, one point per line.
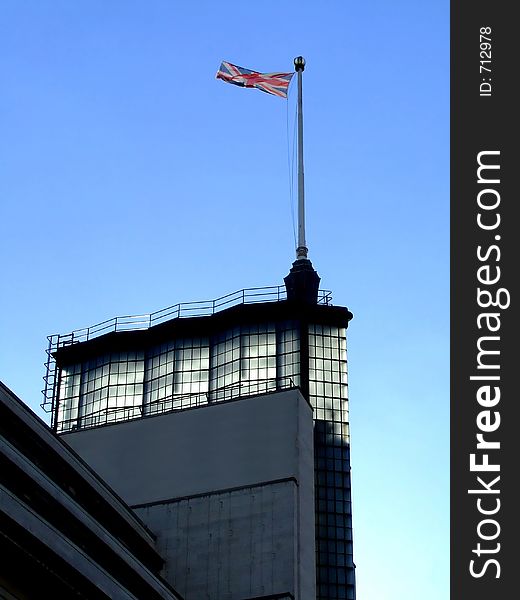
272 83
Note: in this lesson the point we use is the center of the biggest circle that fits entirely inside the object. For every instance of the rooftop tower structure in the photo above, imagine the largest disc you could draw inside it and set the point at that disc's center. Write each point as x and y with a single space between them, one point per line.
252 343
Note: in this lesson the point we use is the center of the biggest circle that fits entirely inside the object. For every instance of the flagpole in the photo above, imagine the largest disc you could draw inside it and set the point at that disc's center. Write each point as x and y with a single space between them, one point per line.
301 250
303 282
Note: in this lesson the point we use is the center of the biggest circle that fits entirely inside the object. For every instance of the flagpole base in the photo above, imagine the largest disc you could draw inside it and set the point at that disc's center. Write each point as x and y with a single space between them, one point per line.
303 282
301 252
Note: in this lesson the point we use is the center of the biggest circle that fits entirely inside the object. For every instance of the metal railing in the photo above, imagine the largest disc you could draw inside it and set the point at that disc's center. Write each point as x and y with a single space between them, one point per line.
145 321
107 416
184 309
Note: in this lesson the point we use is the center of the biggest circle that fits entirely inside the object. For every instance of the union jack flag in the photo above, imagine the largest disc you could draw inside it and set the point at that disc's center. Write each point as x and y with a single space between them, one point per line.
272 83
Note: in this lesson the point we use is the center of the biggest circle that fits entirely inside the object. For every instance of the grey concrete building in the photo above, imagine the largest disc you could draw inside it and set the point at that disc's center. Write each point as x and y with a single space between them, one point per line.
224 425
63 532
227 488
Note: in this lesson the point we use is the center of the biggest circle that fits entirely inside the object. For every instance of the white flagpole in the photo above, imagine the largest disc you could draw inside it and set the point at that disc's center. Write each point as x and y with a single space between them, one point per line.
301 251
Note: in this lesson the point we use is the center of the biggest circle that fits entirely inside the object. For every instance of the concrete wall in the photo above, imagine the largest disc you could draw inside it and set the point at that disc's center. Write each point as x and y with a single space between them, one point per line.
227 488
236 544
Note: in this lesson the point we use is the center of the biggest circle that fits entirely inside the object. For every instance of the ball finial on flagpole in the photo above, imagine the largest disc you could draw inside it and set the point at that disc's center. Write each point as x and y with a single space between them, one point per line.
299 63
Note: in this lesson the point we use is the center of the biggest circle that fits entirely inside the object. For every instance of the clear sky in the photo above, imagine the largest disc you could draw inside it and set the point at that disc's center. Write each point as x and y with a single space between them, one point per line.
131 179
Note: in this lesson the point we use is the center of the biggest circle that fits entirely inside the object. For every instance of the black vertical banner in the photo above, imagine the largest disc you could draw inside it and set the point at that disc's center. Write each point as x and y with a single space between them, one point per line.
485 267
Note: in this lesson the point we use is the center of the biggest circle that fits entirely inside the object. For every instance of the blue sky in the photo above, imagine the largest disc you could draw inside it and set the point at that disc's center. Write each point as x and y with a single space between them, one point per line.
131 179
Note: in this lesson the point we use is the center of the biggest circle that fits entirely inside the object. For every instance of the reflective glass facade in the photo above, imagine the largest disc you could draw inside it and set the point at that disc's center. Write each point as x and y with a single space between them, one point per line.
174 372
179 373
110 383
328 396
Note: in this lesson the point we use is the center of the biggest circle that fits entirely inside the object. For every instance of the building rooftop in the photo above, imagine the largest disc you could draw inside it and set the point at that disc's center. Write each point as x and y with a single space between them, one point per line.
143 322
